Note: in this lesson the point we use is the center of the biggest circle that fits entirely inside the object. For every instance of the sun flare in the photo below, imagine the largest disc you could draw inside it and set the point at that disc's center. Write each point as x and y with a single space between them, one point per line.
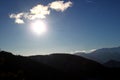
38 27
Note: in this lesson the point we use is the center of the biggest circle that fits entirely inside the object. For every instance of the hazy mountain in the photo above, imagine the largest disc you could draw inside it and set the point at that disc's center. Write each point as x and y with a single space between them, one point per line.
103 55
112 63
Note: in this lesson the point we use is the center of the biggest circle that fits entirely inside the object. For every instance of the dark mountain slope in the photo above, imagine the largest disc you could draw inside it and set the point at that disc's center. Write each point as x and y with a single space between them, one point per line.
78 67
73 65
67 62
113 64
19 68
55 67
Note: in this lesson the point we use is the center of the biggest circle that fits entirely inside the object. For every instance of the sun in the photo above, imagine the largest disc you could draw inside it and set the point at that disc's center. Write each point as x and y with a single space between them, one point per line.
38 27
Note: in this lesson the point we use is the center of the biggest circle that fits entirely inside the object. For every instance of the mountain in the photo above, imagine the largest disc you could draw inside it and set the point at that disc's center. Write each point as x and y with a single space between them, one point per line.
54 66
112 63
77 67
103 55
68 62
22 68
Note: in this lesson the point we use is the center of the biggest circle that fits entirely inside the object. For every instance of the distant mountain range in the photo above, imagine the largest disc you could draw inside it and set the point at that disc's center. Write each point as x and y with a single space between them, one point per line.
102 55
68 63
112 63
54 66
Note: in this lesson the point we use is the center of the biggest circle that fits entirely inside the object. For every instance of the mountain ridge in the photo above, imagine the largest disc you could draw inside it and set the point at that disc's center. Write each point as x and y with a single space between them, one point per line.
102 55
58 66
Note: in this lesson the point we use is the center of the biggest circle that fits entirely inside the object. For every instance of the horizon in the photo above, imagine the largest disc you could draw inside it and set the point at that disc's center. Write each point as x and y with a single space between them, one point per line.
73 26
76 52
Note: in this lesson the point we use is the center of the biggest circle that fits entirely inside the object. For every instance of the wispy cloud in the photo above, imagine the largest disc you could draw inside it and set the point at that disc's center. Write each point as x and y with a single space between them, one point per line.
92 50
82 51
60 5
17 17
19 21
86 51
40 11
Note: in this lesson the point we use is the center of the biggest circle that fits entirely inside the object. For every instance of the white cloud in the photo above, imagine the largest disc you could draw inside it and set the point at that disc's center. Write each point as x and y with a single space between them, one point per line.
40 11
92 50
19 21
86 51
18 18
37 12
60 5
82 51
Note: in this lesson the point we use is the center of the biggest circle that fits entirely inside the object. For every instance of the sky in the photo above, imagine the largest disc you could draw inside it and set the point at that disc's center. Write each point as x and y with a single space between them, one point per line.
72 25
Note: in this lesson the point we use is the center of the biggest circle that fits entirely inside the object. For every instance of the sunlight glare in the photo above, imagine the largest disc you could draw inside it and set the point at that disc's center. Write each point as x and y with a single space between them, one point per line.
38 27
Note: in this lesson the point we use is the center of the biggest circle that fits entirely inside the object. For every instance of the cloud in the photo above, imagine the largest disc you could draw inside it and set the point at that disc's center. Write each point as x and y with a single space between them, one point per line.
37 12
86 51
92 50
19 21
17 17
40 11
60 5
82 51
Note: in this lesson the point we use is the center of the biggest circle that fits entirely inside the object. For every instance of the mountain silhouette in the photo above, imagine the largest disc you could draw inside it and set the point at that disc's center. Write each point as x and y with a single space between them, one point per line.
67 62
22 68
102 55
54 66
76 66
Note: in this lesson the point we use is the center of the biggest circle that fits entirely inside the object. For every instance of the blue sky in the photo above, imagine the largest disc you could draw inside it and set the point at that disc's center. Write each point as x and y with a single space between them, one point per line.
86 25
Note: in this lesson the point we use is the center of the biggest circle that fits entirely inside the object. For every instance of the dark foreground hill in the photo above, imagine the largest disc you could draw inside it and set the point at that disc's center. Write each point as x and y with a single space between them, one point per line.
68 63
22 68
78 66
55 67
